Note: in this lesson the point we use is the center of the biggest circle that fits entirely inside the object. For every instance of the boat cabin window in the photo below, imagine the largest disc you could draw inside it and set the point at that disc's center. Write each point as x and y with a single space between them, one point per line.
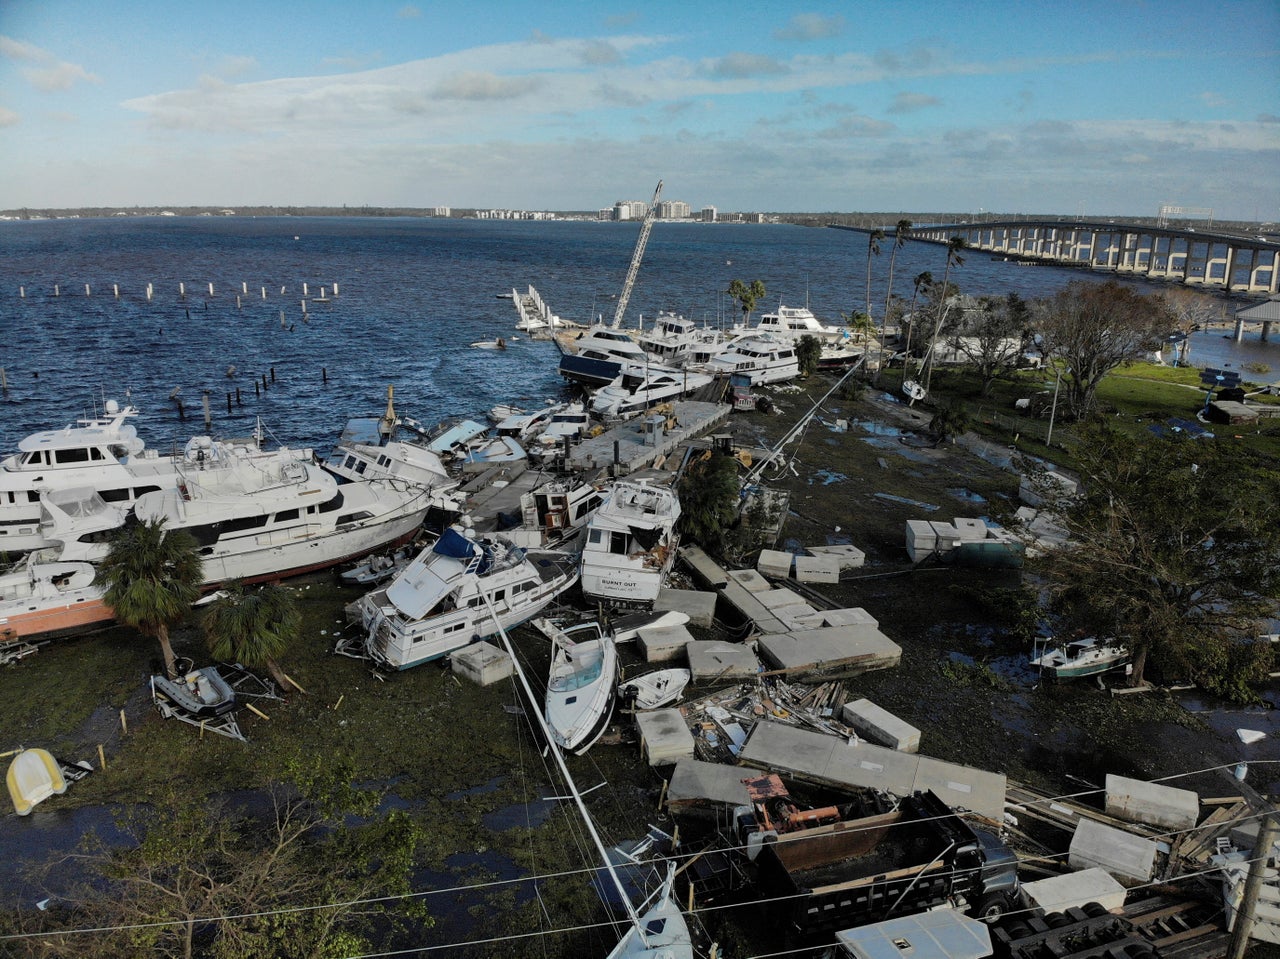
36 458
75 455
354 517
618 542
333 504
114 495
286 514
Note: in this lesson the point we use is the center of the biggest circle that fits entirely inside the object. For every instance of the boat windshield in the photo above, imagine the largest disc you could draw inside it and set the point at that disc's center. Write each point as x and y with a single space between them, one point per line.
583 670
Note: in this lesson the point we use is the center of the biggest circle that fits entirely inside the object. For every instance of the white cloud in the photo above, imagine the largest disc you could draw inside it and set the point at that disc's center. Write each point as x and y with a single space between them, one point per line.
810 26
7 117
910 102
408 12
46 72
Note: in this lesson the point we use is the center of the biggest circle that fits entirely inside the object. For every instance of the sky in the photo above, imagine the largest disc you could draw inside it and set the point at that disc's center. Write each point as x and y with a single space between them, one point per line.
1078 108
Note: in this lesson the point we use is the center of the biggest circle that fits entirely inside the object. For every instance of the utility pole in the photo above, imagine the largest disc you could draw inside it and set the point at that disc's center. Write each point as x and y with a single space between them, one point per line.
1249 900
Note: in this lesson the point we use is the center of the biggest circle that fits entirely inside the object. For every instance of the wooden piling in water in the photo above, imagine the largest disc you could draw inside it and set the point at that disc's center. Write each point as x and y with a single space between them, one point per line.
4 381
208 417
239 402
273 374
115 289
324 374
56 291
228 403
86 289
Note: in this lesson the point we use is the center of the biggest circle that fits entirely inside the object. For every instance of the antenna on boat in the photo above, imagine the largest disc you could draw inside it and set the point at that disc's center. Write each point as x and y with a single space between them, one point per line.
564 771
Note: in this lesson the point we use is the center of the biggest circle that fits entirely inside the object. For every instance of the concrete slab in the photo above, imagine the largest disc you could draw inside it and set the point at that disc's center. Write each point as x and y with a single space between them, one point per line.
662 644
664 737
848 556
971 530
1059 893
849 649
778 597
831 761
750 580
1120 853
794 617
1153 803
714 661
881 726
921 539
696 784
856 616
705 570
774 562
698 605
817 569
745 602
482 663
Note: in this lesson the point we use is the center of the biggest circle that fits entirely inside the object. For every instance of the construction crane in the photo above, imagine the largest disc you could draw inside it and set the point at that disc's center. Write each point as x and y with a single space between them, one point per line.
636 257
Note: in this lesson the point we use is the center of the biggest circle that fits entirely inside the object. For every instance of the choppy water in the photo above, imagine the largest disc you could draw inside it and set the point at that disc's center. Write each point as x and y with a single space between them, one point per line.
413 294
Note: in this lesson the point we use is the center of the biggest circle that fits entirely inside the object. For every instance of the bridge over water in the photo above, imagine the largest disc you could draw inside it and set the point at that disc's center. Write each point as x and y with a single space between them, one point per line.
1228 262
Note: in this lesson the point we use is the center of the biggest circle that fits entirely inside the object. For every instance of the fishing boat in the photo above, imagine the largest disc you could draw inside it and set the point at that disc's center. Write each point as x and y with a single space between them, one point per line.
457 591
199 694
1080 657
33 776
582 686
631 543
638 388
655 690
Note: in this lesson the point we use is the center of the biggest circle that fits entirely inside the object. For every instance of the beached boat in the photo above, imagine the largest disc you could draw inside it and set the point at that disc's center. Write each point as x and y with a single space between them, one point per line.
598 354
455 592
376 568
50 599
199 694
636 389
569 422
655 690
675 341
1079 657
33 776
761 359
524 426
582 686
486 453
553 513
104 454
368 449
631 543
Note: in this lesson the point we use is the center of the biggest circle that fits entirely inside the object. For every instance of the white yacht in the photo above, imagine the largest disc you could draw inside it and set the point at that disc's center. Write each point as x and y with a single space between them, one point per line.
570 421
762 359
49 599
631 543
598 354
638 388
839 347
582 686
103 453
451 593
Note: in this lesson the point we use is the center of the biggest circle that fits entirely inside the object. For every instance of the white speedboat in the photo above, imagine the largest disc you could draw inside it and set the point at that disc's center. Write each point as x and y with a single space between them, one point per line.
631 543
524 426
655 690
639 388
1080 657
102 453
455 592
761 359
582 686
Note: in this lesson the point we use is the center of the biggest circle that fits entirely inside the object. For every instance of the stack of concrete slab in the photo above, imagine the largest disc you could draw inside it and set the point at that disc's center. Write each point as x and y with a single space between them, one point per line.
832 761
1120 853
482 663
849 649
664 737
1152 803
661 644
1075 889
713 661
706 570
881 726
695 784
817 569
964 540
850 616
698 605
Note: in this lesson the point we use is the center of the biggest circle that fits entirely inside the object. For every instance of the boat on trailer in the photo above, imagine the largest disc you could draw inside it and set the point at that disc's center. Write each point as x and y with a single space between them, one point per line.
199 697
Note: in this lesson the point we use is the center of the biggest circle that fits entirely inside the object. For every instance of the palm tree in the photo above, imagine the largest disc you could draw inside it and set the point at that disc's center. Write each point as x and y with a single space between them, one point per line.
899 241
954 246
254 629
152 576
747 296
922 281
873 249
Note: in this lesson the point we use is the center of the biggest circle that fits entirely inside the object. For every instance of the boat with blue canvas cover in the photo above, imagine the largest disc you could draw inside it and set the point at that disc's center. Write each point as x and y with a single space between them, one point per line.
455 592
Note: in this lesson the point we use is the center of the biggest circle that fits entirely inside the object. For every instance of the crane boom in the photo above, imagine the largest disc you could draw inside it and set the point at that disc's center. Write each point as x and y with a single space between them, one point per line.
636 257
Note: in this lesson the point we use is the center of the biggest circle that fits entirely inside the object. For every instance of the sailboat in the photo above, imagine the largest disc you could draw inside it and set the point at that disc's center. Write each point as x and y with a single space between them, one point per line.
658 928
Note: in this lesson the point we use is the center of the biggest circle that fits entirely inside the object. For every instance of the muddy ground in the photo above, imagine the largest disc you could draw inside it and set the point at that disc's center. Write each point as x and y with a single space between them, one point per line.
464 759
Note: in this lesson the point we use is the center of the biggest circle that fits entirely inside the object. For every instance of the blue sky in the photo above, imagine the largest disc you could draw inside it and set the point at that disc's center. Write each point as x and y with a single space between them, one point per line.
1094 108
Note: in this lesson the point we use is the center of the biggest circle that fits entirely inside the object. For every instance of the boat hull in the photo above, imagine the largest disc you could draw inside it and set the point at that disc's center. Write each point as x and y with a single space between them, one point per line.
588 371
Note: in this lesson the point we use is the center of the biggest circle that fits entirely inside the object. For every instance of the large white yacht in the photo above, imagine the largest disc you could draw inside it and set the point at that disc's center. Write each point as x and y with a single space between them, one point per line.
638 388
102 453
598 354
761 359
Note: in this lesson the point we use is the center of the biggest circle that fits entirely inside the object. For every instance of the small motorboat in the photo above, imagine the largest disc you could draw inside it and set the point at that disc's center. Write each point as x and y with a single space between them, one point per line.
582 685
199 694
655 690
495 344
34 776
1080 657
375 569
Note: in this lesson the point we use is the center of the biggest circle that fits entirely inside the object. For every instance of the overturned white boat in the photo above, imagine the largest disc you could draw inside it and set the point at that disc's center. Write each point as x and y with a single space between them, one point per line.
636 389
455 592
631 543
581 687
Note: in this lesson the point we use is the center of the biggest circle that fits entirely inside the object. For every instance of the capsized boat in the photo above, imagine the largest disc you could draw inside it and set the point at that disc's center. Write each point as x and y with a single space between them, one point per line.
33 776
631 543
655 690
1080 657
582 685
457 591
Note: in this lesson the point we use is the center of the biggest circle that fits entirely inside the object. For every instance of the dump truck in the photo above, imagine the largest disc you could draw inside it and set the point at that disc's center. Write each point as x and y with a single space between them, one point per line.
918 857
